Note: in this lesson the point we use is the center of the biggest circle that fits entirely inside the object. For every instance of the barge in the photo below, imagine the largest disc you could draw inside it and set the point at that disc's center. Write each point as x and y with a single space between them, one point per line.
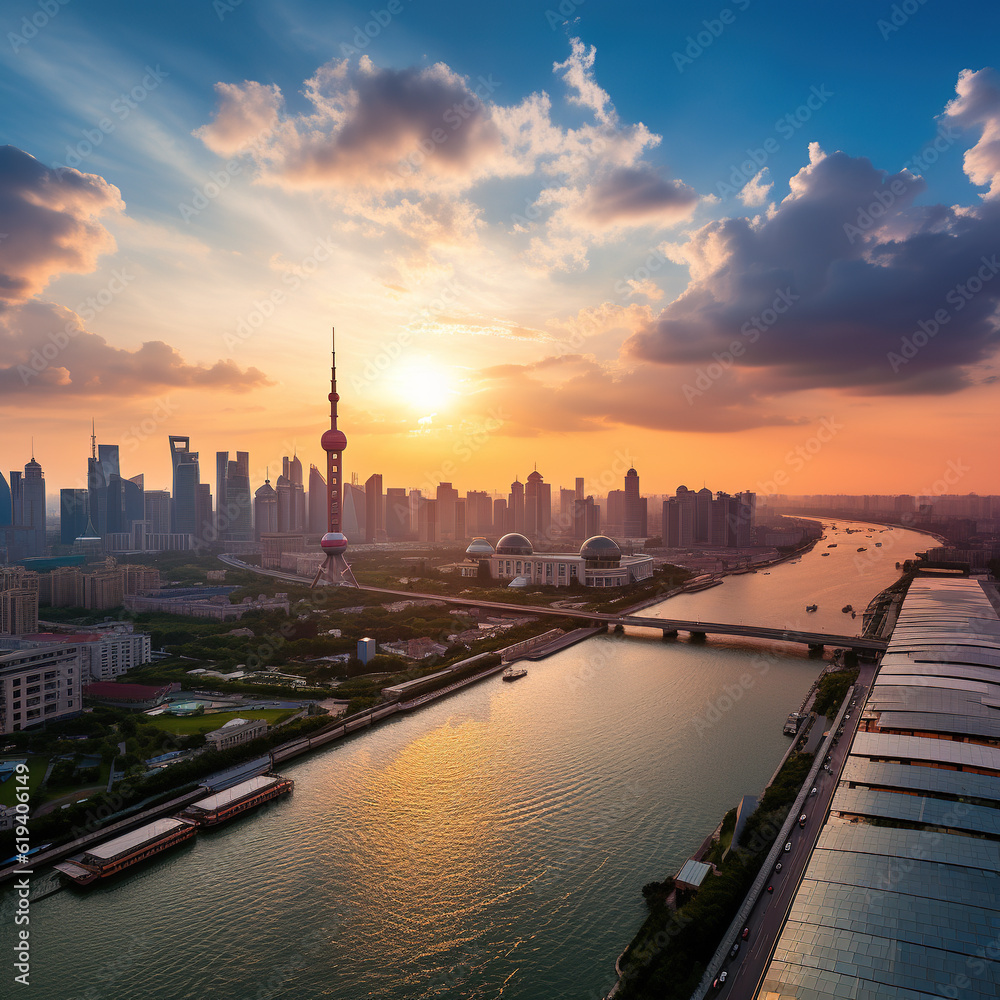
224 805
114 856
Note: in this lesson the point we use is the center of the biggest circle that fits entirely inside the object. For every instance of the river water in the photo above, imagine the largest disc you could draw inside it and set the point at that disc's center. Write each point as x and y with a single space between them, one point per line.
491 844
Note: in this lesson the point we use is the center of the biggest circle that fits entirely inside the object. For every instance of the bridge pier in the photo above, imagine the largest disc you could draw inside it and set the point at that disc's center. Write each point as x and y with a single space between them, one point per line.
815 649
619 629
699 636
669 633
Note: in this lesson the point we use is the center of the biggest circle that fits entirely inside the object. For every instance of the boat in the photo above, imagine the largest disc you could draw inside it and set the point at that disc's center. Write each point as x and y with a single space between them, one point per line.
224 805
824 554
114 856
811 607
846 608
862 548
510 674
832 546
878 545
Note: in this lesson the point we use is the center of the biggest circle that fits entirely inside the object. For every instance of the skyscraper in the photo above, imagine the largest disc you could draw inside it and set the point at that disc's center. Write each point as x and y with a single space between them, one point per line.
32 514
635 512
6 507
537 507
187 478
397 514
515 506
265 510
156 510
72 515
374 509
317 502
335 569
447 498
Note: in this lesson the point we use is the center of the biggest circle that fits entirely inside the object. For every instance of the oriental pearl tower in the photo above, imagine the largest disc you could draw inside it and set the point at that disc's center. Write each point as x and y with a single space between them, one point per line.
334 570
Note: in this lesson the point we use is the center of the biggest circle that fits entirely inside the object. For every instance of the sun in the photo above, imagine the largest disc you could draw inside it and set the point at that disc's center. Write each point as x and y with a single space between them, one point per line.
422 385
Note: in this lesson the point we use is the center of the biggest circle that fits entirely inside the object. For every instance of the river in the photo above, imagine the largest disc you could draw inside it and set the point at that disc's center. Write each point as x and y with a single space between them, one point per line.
491 844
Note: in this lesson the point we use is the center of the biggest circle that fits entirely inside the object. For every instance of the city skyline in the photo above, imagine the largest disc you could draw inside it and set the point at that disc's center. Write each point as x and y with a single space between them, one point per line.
528 259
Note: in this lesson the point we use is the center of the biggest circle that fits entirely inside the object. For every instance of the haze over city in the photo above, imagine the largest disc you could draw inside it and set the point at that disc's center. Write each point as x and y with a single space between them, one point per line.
550 234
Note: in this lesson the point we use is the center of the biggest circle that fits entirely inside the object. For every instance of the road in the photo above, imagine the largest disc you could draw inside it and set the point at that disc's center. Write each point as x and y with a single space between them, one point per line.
746 971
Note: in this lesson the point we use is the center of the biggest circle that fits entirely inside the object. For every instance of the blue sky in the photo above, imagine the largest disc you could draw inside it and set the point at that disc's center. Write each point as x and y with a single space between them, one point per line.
870 80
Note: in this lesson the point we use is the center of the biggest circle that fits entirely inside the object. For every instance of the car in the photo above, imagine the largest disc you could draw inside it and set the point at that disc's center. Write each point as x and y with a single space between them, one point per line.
777 867
735 948
788 846
847 716
802 819
723 976
746 933
770 888
826 767
813 792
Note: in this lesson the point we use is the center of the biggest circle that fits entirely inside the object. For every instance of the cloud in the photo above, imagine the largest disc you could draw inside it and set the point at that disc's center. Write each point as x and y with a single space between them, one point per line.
48 221
576 393
381 144
247 114
46 350
755 191
827 289
978 104
635 196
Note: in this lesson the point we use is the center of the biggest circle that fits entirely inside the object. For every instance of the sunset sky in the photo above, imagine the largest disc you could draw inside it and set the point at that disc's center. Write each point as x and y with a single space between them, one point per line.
723 243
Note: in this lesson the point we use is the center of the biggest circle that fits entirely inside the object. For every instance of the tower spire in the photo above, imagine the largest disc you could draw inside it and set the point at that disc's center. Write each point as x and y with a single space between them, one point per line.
335 569
93 439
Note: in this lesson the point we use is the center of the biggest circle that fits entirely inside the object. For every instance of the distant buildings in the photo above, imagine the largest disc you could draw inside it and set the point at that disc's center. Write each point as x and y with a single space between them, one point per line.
702 519
200 605
234 506
18 600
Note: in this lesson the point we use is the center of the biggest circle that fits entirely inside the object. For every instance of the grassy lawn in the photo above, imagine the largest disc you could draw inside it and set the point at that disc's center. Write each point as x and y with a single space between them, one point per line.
58 791
36 771
188 725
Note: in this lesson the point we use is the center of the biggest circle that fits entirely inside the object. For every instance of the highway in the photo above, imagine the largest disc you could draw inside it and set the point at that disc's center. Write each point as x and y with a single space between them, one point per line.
746 971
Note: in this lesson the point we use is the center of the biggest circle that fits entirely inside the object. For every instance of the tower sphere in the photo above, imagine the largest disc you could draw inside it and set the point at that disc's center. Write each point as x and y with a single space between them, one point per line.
333 541
333 440
334 397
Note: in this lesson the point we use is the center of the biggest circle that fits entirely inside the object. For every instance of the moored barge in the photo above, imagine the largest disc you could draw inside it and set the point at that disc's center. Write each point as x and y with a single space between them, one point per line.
114 856
224 805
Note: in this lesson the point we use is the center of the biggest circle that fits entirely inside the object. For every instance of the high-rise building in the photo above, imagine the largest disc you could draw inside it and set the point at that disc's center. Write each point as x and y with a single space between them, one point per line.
124 504
374 509
635 515
187 478
415 498
537 507
579 487
515 506
427 521
265 510
28 507
317 502
397 514
221 489
478 512
355 522
703 516
72 515
586 518
501 518
6 507
614 521
238 512
156 510
447 498
567 506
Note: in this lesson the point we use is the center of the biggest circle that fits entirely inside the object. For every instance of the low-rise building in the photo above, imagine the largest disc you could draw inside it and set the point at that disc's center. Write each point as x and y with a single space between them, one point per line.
599 563
39 683
105 654
235 732
135 696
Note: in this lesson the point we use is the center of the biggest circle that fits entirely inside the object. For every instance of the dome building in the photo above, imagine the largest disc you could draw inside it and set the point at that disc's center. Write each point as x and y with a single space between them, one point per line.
599 563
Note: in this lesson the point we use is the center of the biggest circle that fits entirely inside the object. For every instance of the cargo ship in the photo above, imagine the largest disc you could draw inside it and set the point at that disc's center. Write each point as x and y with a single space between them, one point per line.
114 856
512 674
224 805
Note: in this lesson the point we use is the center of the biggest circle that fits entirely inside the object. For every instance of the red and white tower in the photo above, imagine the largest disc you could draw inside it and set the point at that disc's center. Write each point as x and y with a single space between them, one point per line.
334 570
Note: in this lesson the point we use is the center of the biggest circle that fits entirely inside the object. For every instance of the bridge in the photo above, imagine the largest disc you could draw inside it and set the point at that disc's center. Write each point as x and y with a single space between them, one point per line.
668 626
